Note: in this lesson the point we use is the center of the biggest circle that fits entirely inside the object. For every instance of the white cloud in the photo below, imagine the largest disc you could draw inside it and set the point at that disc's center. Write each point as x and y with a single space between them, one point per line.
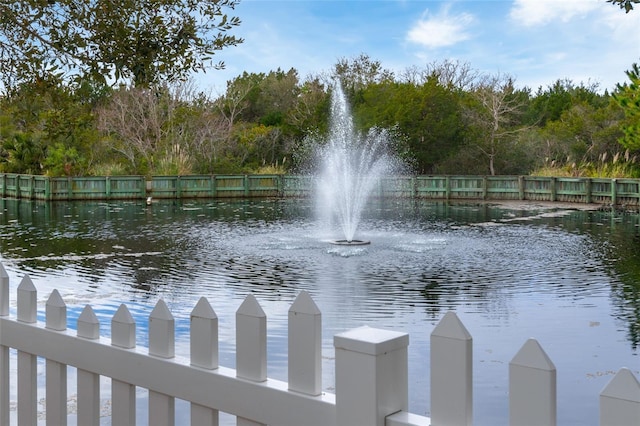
441 30
621 26
540 12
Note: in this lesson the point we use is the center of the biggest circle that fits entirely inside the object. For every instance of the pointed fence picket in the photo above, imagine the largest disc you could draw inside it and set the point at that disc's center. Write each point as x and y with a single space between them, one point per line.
532 387
123 394
27 368
56 380
451 373
162 411
204 354
371 370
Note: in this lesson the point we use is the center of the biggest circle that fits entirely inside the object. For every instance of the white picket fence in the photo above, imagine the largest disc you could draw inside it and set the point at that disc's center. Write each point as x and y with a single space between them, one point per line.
371 375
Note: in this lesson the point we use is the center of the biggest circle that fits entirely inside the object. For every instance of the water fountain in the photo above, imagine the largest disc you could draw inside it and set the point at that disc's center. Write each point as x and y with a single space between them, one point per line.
352 164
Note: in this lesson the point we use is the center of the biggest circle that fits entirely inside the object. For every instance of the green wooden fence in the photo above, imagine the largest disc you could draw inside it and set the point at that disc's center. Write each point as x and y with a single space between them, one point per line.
623 193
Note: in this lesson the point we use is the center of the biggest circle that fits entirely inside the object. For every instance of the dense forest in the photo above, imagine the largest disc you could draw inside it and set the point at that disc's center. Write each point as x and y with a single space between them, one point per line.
143 116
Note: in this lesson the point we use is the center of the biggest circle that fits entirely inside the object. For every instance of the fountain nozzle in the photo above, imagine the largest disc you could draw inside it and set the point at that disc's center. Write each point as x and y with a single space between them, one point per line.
350 242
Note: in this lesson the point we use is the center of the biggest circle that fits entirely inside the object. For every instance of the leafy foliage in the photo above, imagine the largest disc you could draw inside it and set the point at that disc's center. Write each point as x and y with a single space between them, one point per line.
445 118
44 117
144 41
627 96
627 5
428 115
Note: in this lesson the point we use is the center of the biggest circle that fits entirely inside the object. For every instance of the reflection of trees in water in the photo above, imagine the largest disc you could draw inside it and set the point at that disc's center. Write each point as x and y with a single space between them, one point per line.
625 290
98 240
617 237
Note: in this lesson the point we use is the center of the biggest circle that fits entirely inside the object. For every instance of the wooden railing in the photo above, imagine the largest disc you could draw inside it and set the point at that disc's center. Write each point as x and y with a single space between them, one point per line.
371 370
623 193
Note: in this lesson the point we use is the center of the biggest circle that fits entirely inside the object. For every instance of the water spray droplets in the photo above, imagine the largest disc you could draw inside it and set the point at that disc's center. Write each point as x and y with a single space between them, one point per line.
352 165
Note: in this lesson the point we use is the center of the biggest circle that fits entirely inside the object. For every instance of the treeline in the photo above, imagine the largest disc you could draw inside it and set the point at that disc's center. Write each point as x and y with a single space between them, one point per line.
448 119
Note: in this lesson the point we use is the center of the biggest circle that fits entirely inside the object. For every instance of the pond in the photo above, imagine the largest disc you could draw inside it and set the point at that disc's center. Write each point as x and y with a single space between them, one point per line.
569 278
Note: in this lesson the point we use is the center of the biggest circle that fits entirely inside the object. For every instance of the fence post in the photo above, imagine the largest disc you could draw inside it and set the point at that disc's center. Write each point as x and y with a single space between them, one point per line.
532 387
485 187
280 185
123 395
305 346
451 373
5 390
47 189
56 379
614 193
17 186
251 344
447 187
32 185
214 193
88 382
27 371
620 400
161 344
371 375
204 354
554 189
246 185
107 187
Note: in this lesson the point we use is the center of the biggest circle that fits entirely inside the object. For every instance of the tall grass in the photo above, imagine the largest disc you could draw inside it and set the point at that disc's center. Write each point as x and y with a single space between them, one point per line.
620 165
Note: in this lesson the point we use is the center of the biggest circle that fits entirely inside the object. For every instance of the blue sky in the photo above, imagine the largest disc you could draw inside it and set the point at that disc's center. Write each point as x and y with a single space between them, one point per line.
535 41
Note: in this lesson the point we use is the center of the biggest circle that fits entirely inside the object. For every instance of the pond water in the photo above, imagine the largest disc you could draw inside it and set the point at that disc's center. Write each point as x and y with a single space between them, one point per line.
569 278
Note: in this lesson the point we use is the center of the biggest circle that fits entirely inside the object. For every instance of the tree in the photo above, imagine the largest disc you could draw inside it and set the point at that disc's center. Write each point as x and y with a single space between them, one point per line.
628 97
143 41
428 115
627 5
549 104
584 133
358 73
136 122
44 117
236 100
494 116
310 112
449 74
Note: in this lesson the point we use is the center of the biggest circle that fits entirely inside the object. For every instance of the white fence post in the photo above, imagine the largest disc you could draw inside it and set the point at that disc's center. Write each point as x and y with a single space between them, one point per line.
4 352
204 354
27 367
620 400
371 375
88 382
123 395
305 346
532 387
251 345
4 291
162 409
56 373
451 373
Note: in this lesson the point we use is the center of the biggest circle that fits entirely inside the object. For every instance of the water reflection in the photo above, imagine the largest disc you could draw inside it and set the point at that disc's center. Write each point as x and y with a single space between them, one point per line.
569 278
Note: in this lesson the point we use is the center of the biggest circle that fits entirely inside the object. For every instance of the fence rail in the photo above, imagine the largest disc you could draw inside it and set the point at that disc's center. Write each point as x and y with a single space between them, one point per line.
371 370
624 193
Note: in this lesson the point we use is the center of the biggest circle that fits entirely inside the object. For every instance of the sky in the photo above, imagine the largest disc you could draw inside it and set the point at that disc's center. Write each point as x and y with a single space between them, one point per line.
537 42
